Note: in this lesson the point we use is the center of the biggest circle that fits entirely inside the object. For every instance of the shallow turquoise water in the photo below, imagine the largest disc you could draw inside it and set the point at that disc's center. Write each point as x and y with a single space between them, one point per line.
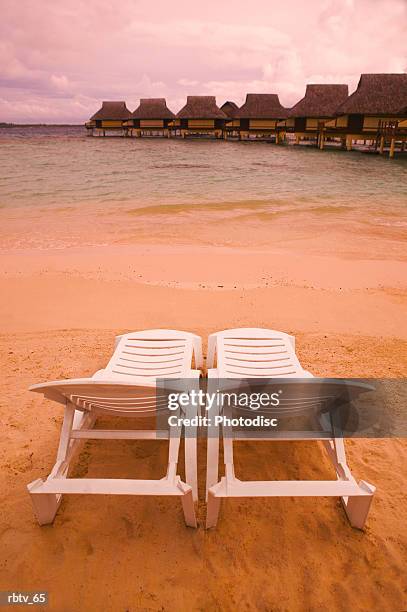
59 167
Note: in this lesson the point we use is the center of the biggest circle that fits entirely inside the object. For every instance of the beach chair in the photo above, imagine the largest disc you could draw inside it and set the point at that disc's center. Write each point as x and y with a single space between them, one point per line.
263 353
127 387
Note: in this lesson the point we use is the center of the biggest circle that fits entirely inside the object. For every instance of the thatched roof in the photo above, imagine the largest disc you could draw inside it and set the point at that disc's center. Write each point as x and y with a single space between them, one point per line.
201 107
112 111
377 94
230 109
320 101
262 106
153 108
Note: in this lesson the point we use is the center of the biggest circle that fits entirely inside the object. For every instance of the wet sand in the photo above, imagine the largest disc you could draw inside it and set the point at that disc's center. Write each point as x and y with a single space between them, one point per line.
60 312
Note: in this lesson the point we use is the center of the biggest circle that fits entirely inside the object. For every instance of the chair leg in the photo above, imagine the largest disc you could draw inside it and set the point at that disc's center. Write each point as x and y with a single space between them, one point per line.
191 471
45 504
212 510
189 509
212 460
357 507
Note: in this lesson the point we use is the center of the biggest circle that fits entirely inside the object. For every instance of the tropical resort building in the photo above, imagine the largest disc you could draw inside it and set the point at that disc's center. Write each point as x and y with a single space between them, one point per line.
259 117
375 115
109 120
151 118
231 109
319 105
200 117
376 112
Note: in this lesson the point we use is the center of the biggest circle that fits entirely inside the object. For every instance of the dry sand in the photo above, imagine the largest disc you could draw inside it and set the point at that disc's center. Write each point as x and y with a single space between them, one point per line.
60 311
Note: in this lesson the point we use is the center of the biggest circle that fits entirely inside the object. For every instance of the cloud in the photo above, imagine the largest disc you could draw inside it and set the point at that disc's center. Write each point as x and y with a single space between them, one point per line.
58 60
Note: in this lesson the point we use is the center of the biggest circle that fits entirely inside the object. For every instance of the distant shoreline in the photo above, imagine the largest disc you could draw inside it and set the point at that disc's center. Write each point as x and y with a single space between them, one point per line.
20 125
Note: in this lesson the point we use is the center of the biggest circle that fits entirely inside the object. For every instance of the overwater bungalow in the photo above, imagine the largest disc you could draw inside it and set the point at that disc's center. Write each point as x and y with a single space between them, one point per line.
200 117
259 116
109 119
374 112
307 117
151 118
231 109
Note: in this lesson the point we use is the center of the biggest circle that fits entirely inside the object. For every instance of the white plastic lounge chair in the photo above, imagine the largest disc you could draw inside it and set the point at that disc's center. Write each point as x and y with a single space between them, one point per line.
263 353
126 387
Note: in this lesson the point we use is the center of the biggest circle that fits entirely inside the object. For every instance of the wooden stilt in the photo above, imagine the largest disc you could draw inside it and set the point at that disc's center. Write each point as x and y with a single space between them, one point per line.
391 152
321 140
349 143
381 144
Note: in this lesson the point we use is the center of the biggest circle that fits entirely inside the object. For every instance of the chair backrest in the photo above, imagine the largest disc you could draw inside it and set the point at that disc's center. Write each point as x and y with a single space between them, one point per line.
150 354
256 353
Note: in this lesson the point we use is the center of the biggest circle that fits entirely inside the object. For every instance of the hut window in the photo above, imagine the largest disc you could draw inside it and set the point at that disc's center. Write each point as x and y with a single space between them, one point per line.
261 124
151 123
370 123
201 123
311 124
111 124
342 122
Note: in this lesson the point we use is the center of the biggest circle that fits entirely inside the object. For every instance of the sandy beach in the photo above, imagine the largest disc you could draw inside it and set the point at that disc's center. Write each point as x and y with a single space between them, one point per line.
198 169
60 312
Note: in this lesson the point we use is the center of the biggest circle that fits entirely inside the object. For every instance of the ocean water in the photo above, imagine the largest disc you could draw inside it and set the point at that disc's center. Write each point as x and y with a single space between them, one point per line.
114 189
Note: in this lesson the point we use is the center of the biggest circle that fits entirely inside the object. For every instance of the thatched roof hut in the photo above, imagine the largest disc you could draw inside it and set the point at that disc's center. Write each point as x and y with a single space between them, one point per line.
201 117
262 106
377 94
112 111
259 116
153 108
201 107
151 117
230 109
320 101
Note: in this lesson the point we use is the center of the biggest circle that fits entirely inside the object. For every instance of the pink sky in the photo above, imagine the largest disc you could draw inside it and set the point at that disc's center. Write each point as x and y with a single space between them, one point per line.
60 58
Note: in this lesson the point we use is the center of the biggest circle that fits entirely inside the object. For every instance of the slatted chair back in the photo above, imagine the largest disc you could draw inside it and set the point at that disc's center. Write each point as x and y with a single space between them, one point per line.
147 355
255 353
